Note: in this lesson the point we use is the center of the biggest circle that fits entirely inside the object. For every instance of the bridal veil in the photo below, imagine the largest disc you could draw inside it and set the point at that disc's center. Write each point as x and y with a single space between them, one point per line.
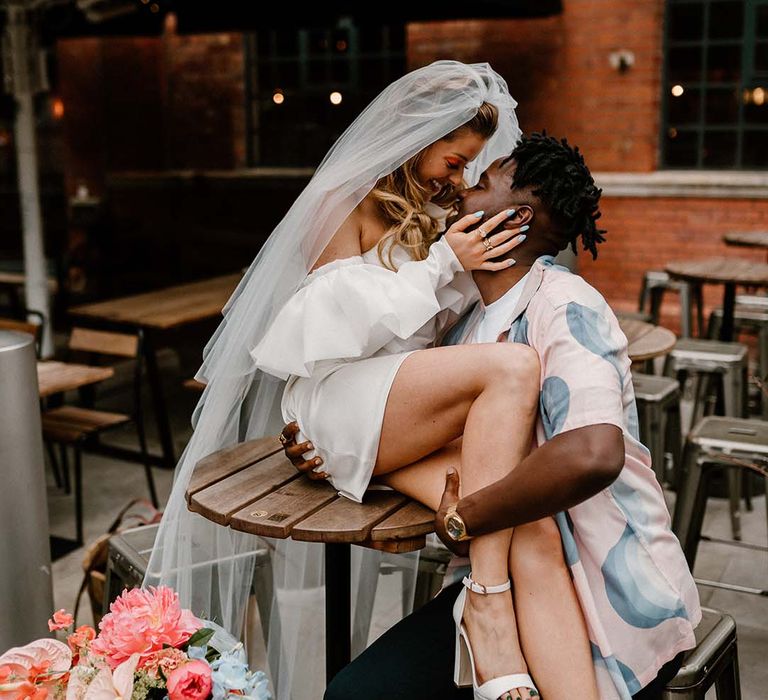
212 566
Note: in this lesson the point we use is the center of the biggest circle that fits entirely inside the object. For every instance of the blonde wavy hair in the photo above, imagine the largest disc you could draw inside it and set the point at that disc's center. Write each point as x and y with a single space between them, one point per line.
402 199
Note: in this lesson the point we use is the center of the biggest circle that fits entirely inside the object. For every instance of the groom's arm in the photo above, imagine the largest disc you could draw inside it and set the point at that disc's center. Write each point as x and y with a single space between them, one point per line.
564 471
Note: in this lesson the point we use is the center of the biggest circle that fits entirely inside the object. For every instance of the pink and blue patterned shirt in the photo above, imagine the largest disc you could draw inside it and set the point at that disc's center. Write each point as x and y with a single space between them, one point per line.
636 591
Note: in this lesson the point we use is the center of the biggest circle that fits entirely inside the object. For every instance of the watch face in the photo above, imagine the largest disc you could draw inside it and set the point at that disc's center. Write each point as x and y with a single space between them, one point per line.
455 527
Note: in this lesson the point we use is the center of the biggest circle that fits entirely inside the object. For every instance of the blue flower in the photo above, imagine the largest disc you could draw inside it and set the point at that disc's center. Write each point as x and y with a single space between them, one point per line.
230 673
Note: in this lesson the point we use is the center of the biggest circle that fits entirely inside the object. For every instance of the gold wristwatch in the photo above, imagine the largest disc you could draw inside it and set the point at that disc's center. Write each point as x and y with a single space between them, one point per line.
455 525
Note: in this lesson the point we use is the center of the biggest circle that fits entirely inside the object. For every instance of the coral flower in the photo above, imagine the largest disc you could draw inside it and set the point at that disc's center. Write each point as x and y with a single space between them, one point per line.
142 622
60 621
28 671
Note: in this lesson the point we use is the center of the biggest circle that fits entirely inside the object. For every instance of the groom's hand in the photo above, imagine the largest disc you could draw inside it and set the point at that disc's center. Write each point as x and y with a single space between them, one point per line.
450 498
295 453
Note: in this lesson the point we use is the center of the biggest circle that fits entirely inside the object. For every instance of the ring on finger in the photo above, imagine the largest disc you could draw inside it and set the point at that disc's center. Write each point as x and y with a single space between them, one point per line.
283 439
487 243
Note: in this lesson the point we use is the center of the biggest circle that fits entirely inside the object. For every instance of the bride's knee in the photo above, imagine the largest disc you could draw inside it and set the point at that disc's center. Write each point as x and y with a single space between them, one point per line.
536 549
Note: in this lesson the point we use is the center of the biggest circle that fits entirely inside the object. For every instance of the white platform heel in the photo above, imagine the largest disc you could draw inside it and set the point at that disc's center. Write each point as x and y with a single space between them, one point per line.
464 673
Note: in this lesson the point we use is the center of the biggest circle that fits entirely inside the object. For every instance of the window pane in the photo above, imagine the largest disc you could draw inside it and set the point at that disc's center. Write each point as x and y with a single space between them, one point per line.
686 21
756 105
726 20
724 63
684 64
761 21
317 72
686 108
719 149
681 148
721 106
287 42
761 57
755 149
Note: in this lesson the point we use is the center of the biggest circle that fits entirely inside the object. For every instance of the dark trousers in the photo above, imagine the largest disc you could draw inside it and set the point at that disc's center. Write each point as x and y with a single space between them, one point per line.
414 661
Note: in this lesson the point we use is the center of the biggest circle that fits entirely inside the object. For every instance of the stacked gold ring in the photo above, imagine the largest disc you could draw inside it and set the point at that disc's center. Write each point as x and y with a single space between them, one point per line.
488 245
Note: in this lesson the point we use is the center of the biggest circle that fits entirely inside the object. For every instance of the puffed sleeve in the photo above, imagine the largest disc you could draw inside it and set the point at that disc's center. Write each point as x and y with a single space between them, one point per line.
353 310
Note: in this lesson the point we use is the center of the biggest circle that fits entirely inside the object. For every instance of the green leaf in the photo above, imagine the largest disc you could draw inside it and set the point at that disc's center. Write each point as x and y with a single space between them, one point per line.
200 638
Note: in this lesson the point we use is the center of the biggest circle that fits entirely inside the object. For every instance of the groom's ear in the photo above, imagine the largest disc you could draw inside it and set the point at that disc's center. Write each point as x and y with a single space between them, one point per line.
523 215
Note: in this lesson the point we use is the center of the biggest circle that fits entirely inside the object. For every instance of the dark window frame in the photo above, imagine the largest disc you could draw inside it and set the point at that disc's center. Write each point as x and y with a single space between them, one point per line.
749 78
316 70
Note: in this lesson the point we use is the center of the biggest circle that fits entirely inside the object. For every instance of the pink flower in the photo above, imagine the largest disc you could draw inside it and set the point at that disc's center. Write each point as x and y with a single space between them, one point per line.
98 682
141 622
166 660
191 681
60 621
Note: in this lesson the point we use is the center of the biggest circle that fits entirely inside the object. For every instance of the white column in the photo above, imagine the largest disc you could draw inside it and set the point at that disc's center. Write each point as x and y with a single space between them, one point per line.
18 34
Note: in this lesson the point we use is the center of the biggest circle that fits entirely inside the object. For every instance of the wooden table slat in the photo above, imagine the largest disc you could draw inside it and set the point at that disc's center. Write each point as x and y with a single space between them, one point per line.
227 496
411 544
275 514
720 271
224 463
56 377
411 521
345 520
165 308
749 239
659 341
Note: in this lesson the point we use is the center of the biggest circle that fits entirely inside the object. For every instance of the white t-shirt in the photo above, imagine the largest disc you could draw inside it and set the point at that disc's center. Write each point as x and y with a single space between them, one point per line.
497 314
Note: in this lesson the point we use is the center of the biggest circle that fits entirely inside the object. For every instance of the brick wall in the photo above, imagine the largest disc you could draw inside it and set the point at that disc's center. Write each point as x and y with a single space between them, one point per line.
138 103
558 70
644 234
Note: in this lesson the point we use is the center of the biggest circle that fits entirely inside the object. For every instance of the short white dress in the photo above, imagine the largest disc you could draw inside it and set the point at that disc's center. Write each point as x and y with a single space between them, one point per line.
340 340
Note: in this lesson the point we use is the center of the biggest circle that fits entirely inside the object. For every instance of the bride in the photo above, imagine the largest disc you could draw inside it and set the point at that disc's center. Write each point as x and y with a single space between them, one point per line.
342 302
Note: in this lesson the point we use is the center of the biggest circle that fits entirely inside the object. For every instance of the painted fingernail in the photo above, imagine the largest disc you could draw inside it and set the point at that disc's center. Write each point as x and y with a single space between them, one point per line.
511 262
511 212
522 237
310 446
478 214
525 227
318 460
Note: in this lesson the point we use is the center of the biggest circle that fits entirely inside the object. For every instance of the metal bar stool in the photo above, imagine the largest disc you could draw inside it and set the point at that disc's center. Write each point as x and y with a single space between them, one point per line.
715 443
658 408
705 361
655 284
751 316
714 661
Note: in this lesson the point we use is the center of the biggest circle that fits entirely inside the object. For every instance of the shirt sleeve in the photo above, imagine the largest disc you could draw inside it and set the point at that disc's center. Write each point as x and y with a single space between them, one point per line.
585 366
353 310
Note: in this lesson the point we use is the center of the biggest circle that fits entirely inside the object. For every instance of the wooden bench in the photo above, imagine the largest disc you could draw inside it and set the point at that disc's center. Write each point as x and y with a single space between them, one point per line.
253 488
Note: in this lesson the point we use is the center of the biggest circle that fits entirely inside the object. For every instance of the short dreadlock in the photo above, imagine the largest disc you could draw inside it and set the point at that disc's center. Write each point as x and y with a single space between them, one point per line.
564 185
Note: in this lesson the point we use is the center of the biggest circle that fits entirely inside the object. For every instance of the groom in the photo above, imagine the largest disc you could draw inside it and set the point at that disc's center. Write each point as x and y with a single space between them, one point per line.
588 469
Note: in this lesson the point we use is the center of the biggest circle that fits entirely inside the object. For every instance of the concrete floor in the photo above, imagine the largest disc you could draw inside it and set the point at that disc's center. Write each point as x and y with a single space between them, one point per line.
109 484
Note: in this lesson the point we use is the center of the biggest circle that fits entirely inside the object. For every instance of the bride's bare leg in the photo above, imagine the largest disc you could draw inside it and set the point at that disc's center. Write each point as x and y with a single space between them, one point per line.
552 629
550 622
496 386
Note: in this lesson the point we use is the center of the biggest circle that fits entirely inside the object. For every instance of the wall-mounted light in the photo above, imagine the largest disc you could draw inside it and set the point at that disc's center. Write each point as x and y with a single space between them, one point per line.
57 108
621 60
335 98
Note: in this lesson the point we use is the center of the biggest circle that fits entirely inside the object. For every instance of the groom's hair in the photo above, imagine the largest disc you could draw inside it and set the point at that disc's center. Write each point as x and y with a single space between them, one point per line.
559 177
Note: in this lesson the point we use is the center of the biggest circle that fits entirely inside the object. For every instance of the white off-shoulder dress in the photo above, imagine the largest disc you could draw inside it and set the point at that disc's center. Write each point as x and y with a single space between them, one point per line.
340 340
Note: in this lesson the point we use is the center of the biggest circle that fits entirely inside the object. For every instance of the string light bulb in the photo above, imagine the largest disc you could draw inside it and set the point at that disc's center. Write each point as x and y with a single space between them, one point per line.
335 98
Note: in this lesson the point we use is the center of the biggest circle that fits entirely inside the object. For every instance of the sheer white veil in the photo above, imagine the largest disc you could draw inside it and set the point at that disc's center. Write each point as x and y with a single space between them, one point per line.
212 566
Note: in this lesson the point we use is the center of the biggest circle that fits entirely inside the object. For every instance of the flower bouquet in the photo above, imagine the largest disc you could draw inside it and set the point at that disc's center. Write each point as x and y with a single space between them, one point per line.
147 648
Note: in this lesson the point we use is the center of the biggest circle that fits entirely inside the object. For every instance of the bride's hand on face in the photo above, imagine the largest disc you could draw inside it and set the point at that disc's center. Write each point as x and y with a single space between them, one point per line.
476 249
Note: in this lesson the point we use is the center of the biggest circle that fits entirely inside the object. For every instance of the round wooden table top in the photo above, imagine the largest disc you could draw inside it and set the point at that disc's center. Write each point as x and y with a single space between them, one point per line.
720 271
253 488
748 239
646 341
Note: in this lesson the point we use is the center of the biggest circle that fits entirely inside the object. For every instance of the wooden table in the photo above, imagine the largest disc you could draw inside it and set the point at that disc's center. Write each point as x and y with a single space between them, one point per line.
645 340
253 488
154 313
747 239
729 272
58 377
